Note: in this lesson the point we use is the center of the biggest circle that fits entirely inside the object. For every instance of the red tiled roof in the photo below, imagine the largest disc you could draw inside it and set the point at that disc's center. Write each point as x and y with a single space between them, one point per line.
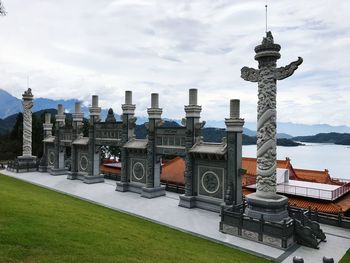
342 205
173 171
322 177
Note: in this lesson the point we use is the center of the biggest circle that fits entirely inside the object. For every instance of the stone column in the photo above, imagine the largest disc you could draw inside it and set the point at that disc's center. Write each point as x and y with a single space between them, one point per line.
153 187
193 126
265 202
47 126
128 132
27 103
234 129
77 133
59 167
94 153
193 111
77 120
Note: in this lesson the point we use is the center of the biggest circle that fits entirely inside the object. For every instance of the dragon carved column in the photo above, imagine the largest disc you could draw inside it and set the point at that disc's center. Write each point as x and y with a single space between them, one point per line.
27 103
267 54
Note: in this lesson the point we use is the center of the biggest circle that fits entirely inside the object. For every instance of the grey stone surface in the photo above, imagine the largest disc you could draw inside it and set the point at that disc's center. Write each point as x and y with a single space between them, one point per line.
58 171
187 201
202 202
153 192
272 209
122 187
93 179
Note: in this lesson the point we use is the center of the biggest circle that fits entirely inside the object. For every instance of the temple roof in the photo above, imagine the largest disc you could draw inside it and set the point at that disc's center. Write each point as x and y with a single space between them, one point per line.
49 139
81 141
209 148
136 144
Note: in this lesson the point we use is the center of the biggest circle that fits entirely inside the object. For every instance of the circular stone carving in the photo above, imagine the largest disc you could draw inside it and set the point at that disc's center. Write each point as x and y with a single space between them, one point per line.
210 182
138 171
83 163
51 158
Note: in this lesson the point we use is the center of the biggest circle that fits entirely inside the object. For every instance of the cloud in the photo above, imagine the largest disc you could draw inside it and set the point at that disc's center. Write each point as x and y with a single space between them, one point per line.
73 49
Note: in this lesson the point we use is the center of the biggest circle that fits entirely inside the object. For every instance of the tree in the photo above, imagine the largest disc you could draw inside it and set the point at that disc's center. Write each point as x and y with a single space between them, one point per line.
2 9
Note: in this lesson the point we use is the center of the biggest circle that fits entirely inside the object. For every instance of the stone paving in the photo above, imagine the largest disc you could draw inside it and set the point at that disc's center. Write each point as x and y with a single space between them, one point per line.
165 210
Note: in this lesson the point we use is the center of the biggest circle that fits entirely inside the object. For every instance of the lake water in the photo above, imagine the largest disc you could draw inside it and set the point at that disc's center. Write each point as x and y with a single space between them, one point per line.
315 156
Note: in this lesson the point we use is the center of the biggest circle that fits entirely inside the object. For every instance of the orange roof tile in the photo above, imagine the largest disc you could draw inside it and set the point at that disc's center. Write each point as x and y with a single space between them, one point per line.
341 205
314 176
173 171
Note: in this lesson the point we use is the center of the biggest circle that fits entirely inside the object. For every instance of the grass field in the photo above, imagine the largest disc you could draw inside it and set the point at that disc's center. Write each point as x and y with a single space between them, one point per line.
39 225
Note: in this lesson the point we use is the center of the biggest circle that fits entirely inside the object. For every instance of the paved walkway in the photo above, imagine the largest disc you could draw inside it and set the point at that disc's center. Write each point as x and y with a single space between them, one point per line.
165 210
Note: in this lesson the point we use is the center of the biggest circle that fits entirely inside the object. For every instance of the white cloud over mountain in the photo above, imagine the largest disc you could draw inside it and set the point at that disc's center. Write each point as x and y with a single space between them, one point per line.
73 49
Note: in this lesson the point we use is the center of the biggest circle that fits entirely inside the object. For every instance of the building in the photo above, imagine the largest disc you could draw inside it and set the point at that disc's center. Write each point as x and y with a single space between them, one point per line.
329 195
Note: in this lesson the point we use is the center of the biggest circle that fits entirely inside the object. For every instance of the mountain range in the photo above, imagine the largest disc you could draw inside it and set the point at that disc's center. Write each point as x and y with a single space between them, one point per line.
10 106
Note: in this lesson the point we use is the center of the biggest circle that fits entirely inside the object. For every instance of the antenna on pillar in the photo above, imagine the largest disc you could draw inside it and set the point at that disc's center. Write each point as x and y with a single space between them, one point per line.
266 17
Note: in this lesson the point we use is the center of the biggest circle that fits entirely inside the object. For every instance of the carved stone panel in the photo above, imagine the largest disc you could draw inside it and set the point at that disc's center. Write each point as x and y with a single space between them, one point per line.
211 182
83 162
138 170
51 157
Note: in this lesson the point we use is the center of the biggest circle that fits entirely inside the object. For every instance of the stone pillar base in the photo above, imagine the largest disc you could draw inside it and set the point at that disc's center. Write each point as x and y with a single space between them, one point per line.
272 210
72 176
85 178
58 171
122 187
42 168
24 164
187 201
153 192
93 179
201 202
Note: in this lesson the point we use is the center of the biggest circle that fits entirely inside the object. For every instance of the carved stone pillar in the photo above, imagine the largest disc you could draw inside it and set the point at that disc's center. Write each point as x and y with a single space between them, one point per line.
153 187
129 122
193 126
234 129
77 133
59 167
265 202
47 126
94 153
27 102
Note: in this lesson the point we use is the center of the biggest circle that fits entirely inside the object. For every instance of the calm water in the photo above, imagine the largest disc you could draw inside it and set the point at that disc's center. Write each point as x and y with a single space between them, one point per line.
316 156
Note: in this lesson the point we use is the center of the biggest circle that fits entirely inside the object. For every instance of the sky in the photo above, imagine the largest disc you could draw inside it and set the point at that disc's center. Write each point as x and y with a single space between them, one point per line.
73 49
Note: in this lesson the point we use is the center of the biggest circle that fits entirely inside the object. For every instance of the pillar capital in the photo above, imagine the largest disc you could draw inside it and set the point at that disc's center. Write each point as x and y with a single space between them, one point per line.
234 123
154 112
94 109
128 107
193 110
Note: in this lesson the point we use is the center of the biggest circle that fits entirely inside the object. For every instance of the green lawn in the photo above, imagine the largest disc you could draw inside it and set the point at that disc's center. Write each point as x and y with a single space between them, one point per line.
39 225
346 258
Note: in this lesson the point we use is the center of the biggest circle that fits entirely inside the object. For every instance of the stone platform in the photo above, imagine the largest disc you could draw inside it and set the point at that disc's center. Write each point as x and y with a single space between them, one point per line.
165 210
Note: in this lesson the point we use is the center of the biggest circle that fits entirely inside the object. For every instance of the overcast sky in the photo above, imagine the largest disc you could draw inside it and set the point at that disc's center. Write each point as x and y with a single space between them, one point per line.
76 48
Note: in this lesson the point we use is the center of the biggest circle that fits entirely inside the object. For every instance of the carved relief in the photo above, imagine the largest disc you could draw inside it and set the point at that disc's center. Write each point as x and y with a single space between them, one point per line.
27 126
267 54
210 182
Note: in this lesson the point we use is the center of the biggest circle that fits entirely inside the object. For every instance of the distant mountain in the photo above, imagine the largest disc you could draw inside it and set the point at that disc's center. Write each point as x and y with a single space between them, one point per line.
10 105
333 137
295 129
